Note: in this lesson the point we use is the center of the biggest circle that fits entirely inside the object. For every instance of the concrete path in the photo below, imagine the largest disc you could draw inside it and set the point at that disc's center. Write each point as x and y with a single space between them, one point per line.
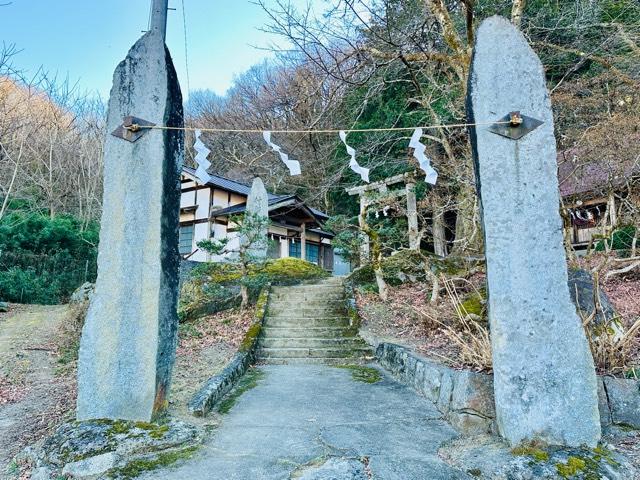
317 422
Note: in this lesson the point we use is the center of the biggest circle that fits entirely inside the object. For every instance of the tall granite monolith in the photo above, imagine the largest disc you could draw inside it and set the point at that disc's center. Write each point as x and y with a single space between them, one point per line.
257 211
128 342
545 382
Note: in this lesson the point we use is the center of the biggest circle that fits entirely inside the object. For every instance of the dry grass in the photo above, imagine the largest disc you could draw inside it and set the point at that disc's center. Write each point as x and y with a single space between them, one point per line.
471 336
613 351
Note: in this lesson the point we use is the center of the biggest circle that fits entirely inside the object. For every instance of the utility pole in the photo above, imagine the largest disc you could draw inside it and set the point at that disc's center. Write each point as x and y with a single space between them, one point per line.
159 10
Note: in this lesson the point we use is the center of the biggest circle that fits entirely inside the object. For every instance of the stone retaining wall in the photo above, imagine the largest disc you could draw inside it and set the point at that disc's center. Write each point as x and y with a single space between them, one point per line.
466 398
219 385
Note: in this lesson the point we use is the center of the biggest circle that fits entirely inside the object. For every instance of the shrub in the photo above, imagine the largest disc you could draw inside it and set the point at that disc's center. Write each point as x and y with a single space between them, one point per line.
213 287
289 271
620 239
43 259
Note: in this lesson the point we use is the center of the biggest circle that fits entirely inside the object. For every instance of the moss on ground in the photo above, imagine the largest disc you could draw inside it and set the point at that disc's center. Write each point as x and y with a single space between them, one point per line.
363 374
135 468
572 467
533 451
584 464
248 381
475 304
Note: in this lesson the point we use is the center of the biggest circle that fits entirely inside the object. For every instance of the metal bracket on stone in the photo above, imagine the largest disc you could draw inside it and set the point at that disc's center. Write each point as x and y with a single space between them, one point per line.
132 128
515 126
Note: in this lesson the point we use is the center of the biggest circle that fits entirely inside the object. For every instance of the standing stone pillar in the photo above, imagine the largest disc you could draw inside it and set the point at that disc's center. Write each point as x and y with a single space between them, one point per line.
412 216
128 342
365 247
544 378
258 209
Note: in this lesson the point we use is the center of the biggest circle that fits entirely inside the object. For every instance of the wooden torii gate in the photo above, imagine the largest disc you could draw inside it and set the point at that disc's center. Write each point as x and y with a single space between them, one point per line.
383 187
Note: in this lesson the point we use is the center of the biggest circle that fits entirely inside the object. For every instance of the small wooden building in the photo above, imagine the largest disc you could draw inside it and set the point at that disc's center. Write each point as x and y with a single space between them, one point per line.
206 209
592 190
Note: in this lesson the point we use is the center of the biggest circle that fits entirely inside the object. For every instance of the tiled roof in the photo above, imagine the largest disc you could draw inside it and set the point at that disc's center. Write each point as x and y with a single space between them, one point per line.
240 207
243 189
583 172
227 184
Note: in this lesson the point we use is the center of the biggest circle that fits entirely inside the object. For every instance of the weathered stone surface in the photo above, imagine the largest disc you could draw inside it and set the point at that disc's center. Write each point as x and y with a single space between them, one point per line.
4 307
545 382
83 293
298 416
42 473
444 395
581 289
91 467
487 457
469 423
473 392
603 404
258 207
432 381
128 341
624 400
89 449
336 468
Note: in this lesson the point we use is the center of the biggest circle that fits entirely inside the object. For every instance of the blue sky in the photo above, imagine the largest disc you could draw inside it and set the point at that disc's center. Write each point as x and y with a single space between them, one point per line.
86 39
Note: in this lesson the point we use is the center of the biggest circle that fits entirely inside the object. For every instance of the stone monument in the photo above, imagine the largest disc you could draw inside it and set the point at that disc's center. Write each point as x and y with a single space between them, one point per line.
128 342
257 209
545 382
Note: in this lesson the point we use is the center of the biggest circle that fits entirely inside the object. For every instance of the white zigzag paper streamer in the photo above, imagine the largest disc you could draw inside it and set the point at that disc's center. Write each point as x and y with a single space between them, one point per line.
423 160
292 165
355 166
201 159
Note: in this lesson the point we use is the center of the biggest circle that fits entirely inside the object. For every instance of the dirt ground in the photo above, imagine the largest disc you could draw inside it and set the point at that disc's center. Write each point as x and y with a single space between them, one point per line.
33 398
38 391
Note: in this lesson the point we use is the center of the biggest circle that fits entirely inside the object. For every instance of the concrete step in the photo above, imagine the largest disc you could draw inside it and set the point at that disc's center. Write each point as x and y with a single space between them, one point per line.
287 309
314 361
311 342
303 332
279 321
309 289
307 297
304 312
291 300
264 353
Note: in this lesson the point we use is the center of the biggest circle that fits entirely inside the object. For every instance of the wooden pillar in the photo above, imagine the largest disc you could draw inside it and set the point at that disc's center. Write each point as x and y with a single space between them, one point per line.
303 242
412 217
439 238
611 207
362 221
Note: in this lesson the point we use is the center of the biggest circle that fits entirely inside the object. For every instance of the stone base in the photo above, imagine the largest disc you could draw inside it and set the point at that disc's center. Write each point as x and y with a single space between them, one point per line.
485 456
109 449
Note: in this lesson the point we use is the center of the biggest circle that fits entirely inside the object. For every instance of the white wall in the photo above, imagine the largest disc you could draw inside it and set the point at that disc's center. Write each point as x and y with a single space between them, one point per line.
204 199
187 199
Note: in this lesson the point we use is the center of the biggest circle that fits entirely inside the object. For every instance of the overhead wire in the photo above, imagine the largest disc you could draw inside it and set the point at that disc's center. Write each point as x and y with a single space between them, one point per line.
315 131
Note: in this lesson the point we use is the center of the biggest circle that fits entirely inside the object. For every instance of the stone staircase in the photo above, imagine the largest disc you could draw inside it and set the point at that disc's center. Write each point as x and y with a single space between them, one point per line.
308 324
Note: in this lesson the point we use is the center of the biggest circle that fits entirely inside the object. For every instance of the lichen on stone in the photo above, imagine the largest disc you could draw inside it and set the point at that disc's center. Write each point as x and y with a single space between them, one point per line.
136 467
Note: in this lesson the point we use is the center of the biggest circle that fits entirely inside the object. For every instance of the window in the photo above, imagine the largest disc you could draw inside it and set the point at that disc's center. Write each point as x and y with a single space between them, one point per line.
294 249
313 253
185 243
